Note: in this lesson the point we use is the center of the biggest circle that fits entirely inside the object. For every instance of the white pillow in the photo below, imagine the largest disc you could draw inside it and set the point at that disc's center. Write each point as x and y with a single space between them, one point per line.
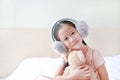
113 67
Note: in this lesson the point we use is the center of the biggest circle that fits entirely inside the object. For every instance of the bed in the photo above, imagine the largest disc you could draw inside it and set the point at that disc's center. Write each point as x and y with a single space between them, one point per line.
26 53
32 68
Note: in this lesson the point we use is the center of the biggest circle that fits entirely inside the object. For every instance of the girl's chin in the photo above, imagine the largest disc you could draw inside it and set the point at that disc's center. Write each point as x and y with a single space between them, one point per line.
76 48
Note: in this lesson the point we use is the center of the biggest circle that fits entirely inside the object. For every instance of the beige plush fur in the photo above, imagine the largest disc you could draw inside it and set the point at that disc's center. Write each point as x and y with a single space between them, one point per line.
75 59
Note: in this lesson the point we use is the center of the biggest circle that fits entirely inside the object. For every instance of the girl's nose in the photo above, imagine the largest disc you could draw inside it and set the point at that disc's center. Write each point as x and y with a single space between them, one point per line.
71 39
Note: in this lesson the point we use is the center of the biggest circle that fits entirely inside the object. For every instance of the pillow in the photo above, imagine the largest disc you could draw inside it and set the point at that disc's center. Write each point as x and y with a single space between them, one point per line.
113 67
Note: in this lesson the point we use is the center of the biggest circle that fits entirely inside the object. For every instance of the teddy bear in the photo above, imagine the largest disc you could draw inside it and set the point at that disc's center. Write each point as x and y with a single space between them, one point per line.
76 59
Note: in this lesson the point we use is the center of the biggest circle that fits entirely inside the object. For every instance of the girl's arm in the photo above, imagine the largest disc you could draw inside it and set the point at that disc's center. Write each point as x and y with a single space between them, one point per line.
102 72
59 71
59 74
81 73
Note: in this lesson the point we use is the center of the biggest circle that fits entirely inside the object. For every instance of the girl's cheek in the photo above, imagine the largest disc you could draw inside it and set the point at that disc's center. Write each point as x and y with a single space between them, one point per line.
79 37
67 44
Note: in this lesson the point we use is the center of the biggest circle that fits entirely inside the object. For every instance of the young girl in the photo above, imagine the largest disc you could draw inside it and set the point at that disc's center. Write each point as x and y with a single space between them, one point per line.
68 35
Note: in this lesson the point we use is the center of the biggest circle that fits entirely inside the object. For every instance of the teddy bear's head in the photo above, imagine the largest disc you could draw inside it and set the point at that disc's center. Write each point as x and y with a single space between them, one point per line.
76 58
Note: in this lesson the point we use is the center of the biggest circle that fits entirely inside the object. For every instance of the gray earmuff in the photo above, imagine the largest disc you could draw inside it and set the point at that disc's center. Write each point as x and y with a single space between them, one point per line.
59 47
81 27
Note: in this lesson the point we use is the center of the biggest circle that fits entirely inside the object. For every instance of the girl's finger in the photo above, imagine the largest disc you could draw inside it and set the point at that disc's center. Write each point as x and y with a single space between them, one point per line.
81 67
87 75
86 68
87 72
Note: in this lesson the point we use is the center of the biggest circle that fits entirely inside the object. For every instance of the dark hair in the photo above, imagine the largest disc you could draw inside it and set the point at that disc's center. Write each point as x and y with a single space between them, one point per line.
58 26
83 41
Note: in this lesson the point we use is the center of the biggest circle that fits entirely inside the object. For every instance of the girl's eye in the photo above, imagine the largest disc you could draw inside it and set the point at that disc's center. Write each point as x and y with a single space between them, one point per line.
72 33
65 39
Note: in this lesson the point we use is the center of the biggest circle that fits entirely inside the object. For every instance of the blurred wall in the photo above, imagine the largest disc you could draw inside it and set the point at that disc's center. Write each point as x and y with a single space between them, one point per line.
43 13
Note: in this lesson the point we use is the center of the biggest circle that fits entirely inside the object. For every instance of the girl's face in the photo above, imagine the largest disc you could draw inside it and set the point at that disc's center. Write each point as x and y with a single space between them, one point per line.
70 37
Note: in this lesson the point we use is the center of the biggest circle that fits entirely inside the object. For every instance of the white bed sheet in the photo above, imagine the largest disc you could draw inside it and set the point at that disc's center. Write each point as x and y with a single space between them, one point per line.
30 68
113 67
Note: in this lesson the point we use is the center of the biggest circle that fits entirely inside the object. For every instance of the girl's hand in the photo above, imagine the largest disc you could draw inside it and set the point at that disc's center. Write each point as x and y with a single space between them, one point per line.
81 73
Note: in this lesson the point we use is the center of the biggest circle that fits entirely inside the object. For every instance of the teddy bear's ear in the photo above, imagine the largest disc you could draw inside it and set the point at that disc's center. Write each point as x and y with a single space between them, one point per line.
81 57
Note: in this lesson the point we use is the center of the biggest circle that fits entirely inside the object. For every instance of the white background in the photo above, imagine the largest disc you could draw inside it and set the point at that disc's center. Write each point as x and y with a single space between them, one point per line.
43 13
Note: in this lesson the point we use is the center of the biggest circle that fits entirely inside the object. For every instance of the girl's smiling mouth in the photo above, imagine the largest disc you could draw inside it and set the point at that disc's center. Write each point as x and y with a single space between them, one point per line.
75 42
